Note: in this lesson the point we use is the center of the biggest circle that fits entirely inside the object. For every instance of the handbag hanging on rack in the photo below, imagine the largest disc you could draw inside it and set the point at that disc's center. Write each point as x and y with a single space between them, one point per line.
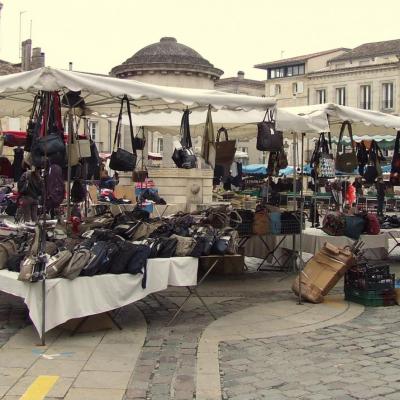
184 157
140 142
224 150
395 167
121 159
373 168
322 159
346 162
268 138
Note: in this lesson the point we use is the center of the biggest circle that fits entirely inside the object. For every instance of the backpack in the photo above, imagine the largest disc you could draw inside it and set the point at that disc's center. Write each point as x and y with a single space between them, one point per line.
56 264
101 256
79 260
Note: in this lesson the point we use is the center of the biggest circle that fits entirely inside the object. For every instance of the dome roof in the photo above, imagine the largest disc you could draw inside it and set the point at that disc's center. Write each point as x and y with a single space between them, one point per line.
167 54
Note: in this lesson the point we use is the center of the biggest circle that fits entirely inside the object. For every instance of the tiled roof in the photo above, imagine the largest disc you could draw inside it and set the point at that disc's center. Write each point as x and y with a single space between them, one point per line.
298 59
371 50
7 68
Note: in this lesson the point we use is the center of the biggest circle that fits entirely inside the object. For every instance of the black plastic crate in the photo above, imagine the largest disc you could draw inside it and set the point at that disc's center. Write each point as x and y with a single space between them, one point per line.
379 283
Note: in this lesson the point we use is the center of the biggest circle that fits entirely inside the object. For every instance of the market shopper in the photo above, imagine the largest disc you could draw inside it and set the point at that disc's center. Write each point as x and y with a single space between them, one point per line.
30 187
380 193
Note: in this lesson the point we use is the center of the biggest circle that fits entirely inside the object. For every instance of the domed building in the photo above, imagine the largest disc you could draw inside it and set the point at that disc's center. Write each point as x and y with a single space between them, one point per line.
169 63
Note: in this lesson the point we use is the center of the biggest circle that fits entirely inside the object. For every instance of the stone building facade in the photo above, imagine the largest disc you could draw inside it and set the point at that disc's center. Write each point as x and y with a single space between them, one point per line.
287 79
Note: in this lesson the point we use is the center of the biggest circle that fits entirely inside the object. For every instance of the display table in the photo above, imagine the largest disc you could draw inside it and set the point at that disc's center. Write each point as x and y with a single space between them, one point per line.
314 239
67 299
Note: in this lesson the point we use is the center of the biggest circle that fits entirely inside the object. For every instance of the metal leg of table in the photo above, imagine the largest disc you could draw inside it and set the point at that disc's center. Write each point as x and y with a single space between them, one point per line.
242 242
271 252
193 291
397 244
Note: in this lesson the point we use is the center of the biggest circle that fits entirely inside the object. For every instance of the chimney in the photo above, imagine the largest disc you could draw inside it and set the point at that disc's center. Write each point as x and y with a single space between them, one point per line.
38 58
240 74
26 49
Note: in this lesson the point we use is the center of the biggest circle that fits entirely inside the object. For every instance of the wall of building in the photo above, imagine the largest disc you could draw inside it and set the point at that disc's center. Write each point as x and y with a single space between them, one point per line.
176 79
352 79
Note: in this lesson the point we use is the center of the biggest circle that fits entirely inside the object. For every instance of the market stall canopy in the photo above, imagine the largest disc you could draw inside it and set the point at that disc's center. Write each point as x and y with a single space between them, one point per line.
337 114
385 141
102 94
240 124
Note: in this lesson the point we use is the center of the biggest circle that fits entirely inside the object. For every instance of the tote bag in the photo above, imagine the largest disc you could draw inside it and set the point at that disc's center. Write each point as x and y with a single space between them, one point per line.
346 162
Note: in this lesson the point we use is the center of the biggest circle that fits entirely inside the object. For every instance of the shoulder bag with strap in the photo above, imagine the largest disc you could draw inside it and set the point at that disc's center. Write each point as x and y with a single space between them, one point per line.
268 138
185 157
224 150
324 163
395 168
121 159
372 170
346 162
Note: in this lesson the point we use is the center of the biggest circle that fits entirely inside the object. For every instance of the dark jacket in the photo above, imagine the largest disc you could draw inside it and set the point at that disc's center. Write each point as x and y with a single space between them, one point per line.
30 185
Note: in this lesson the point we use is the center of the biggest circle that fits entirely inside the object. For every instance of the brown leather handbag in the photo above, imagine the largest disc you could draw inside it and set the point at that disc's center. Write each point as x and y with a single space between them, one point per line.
346 162
224 150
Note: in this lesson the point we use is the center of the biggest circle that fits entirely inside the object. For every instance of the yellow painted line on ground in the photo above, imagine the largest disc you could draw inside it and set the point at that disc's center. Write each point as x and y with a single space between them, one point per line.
40 387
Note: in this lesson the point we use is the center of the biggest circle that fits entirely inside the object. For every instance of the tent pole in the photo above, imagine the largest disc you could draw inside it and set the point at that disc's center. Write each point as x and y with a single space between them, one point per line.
301 217
294 191
70 133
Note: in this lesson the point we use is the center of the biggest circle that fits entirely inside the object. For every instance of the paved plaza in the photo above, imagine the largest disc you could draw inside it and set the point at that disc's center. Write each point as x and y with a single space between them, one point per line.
263 345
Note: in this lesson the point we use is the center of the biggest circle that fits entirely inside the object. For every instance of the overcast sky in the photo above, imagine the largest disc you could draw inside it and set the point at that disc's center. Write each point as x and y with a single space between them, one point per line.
233 35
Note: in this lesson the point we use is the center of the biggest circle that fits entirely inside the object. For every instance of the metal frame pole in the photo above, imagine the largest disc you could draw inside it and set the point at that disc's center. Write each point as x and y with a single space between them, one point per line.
301 218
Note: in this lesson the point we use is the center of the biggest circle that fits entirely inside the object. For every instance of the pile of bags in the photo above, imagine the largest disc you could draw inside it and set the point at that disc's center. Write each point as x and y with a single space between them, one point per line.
352 226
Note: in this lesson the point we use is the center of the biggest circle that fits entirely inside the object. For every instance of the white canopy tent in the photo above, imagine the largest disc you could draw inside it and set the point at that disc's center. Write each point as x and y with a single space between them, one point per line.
365 122
102 94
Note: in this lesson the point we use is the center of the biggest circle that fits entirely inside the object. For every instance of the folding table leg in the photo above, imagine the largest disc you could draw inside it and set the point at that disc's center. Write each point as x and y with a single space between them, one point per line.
114 321
271 252
397 242
193 291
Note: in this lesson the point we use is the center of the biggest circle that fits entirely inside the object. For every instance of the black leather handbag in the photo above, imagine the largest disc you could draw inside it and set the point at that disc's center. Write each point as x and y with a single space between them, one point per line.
140 142
268 138
346 162
121 159
185 157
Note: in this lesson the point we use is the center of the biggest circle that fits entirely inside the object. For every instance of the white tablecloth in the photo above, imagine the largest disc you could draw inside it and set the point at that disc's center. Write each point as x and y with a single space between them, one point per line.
83 296
314 239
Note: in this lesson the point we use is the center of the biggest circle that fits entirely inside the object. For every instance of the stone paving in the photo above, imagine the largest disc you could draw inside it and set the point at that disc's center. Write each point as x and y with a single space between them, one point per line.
343 361
356 360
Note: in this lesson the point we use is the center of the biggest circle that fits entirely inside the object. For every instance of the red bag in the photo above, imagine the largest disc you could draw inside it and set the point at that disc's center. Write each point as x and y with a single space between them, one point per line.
372 224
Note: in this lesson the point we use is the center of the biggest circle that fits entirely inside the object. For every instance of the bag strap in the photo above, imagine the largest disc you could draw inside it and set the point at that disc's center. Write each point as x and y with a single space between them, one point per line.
128 106
222 130
186 140
117 137
350 129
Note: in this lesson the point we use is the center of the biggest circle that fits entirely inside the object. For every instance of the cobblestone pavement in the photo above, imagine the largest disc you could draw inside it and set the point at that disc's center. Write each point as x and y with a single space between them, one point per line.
166 368
13 316
357 360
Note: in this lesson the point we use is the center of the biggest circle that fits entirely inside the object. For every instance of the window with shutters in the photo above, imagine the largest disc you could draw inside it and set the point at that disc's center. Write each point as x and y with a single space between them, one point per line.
93 130
341 96
387 96
160 145
320 96
365 97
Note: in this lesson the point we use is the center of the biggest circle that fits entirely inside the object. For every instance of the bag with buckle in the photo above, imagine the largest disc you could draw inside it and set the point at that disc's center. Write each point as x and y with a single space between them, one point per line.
184 246
56 264
121 159
268 138
346 162
27 268
373 169
7 249
184 157
79 260
224 150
